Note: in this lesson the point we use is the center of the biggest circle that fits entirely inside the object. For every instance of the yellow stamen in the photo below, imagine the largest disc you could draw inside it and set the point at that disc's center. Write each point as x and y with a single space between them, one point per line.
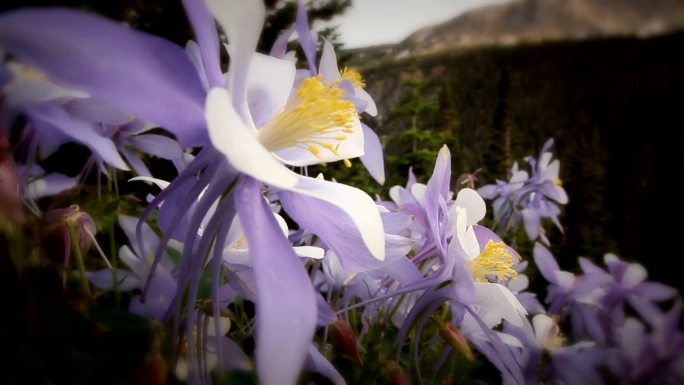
558 182
493 261
316 117
347 163
353 76
241 243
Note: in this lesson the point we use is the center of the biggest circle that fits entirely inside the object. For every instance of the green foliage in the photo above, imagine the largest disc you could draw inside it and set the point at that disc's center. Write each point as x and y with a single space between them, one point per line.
432 124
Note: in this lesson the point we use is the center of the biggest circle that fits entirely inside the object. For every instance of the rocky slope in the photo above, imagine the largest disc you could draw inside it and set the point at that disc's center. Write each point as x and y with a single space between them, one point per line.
524 21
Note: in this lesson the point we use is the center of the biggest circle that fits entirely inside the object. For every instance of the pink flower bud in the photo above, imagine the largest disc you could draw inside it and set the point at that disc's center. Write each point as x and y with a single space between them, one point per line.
57 234
10 196
344 339
453 336
396 374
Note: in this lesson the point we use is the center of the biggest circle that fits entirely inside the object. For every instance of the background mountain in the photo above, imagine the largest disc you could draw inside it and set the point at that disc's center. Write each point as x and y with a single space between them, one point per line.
525 21
604 78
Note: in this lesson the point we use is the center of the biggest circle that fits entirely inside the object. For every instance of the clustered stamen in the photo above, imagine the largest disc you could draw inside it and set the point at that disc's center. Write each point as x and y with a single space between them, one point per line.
353 76
493 261
316 119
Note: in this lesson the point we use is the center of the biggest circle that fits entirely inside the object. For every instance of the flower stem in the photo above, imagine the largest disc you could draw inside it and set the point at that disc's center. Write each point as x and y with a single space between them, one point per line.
78 256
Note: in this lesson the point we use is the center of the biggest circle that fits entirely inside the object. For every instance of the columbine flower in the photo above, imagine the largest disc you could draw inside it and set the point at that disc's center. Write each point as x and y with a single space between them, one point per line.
542 340
458 271
349 80
236 251
652 355
312 125
493 300
262 122
567 288
59 114
529 198
163 284
140 74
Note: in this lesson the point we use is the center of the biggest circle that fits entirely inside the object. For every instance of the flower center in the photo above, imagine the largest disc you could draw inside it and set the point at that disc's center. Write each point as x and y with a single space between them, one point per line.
317 119
493 261
558 182
353 76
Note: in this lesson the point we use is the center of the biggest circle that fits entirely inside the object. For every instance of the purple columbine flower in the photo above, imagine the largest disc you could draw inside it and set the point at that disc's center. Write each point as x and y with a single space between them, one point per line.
529 198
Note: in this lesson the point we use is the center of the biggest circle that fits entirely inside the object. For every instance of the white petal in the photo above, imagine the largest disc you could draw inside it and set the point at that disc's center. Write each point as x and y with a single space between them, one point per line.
239 144
634 275
22 92
162 184
519 176
543 325
281 223
48 185
328 65
497 299
519 283
418 191
466 235
394 194
358 205
473 203
564 279
237 256
224 327
242 21
312 252
551 171
544 160
269 86
371 108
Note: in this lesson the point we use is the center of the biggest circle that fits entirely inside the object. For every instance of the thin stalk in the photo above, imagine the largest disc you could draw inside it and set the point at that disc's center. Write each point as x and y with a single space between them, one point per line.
85 286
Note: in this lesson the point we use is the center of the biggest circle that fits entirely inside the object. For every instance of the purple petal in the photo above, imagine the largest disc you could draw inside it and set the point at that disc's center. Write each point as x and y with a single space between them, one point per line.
53 117
135 72
575 371
149 238
532 223
655 291
326 315
104 279
372 156
484 235
545 262
438 189
91 110
333 226
530 303
286 306
51 184
316 362
305 39
231 354
138 166
157 145
207 39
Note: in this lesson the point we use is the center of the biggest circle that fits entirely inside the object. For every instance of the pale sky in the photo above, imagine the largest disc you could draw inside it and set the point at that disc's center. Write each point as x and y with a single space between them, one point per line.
372 22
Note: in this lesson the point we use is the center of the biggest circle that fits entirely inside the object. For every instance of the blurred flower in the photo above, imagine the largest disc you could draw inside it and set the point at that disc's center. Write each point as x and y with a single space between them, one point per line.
529 198
162 283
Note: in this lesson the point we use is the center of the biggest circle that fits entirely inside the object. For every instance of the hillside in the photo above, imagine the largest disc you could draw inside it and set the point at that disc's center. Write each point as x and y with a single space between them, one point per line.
526 21
613 103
